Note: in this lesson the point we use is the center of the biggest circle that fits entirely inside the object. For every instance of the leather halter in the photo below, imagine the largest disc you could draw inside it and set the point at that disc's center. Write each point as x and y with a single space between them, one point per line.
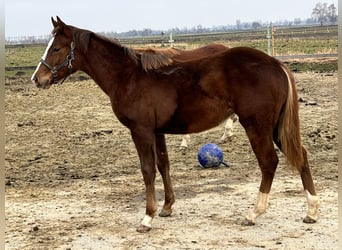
67 62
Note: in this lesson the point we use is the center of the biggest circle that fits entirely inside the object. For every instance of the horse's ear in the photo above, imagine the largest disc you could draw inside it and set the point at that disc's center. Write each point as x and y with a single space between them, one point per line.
59 26
54 23
59 21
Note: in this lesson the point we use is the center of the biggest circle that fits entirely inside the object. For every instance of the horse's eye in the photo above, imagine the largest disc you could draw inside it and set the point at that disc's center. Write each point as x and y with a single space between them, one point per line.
56 49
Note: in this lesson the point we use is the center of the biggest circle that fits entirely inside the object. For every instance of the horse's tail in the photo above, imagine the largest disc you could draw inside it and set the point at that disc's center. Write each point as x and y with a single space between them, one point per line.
288 128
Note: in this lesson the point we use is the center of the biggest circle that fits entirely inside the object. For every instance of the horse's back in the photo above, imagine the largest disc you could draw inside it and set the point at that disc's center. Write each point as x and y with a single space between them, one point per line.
200 53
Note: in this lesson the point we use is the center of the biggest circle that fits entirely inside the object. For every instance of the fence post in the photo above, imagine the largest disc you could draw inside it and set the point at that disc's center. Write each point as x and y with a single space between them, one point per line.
272 34
162 39
268 36
171 40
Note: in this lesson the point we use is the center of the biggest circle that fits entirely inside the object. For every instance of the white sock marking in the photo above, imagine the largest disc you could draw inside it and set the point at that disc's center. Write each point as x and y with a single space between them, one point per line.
228 127
259 208
313 205
185 141
147 221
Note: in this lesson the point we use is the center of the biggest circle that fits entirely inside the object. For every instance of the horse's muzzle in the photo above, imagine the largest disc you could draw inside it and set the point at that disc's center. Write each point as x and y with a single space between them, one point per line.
44 85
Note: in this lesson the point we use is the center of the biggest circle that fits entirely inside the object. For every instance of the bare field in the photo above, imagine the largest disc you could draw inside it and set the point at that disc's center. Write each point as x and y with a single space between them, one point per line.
73 179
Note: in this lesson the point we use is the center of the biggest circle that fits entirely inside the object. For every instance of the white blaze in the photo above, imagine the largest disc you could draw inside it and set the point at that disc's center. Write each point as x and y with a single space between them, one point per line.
44 57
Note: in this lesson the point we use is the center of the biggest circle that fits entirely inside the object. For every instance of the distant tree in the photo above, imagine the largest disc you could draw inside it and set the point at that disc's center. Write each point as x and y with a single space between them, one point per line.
324 13
246 25
297 21
332 13
146 32
310 21
238 24
199 28
256 25
320 12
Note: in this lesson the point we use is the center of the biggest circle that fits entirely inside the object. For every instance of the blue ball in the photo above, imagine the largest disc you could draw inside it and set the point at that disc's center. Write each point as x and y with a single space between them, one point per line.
210 155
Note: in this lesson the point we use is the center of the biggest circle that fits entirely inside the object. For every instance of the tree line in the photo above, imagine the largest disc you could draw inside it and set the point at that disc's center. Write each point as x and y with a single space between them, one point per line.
322 14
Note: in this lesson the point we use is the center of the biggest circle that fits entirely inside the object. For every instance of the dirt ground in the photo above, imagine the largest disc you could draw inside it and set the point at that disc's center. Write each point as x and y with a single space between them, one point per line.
73 179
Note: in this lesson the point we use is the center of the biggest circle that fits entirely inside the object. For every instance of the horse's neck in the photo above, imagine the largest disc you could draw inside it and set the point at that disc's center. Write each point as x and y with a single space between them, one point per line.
104 62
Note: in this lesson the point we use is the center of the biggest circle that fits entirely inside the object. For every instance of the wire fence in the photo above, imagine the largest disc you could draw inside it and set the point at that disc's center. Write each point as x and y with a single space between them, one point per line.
287 43
27 40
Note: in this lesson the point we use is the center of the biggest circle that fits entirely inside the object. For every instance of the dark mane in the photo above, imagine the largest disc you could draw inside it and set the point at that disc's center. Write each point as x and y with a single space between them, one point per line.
149 58
130 52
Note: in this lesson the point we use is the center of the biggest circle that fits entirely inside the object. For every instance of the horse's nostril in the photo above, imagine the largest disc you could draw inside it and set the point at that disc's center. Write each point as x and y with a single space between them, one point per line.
35 81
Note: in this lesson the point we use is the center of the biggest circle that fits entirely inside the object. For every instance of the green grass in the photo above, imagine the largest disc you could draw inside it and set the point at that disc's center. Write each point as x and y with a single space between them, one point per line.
318 67
315 40
18 73
290 46
23 56
305 46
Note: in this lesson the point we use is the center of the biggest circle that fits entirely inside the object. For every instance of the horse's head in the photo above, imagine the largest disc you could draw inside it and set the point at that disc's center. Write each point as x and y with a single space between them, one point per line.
58 61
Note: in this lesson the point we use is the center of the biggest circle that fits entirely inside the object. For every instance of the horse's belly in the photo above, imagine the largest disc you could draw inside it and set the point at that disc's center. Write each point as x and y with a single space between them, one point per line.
197 117
201 121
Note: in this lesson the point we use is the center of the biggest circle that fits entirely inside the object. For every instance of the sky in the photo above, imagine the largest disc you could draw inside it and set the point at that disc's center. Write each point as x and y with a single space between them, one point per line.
32 17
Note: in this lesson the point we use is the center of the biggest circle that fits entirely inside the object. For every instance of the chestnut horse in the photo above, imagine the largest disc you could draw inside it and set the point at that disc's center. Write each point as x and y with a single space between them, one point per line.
187 55
178 97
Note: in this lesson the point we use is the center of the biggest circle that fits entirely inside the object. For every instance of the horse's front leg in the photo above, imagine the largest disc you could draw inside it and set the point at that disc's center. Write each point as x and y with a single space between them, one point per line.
164 169
145 145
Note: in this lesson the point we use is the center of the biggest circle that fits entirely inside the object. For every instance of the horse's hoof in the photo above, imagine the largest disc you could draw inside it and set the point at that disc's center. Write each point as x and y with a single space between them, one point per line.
221 141
226 139
247 222
309 220
143 229
165 213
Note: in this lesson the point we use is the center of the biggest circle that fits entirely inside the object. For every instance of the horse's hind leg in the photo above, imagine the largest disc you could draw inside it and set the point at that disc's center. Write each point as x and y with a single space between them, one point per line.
228 128
312 198
185 143
164 169
309 188
265 153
